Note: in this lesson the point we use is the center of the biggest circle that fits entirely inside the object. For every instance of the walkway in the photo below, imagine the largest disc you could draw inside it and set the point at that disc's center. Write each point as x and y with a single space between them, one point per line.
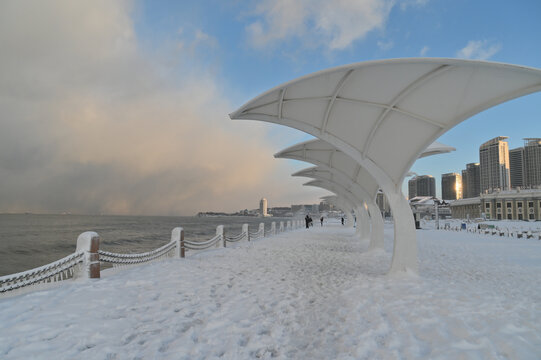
308 294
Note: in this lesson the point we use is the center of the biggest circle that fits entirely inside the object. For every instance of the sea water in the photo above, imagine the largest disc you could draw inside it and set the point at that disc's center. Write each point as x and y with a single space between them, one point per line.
29 240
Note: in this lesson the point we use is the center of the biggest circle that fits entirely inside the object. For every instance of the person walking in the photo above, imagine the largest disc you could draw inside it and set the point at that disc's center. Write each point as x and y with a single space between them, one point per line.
307 220
342 220
321 221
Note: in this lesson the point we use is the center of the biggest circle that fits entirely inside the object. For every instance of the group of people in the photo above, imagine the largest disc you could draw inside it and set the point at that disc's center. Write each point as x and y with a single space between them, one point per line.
310 222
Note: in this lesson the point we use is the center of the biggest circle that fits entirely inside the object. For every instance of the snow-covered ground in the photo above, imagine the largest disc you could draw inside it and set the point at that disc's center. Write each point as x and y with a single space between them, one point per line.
307 294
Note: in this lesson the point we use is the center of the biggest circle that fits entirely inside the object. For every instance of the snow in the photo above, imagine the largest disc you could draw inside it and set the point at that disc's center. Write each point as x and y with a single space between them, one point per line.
306 294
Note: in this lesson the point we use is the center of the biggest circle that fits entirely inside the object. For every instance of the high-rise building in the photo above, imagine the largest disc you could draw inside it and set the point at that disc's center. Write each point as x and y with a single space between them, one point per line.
263 207
383 204
424 185
532 162
494 162
471 181
412 187
516 167
451 186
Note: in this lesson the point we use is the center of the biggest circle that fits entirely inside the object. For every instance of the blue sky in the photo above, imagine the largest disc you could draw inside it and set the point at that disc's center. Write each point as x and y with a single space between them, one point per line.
121 106
499 31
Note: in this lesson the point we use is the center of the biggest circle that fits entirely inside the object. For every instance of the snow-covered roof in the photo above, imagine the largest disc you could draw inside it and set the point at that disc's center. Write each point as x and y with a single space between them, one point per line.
425 200
385 113
466 201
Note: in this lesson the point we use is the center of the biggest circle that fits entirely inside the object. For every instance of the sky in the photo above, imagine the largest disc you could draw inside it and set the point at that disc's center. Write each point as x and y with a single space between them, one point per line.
121 107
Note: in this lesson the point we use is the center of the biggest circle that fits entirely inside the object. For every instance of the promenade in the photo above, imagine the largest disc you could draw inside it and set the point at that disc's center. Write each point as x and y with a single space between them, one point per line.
305 294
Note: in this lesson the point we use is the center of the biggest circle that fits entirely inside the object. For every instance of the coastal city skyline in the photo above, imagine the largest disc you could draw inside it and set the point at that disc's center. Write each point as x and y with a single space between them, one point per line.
498 168
122 107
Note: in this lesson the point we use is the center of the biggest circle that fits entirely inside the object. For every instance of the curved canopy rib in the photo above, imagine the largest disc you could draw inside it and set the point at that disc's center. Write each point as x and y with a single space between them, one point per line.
328 157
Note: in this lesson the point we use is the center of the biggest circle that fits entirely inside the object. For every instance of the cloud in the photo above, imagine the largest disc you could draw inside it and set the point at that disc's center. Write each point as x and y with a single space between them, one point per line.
334 25
91 122
424 50
479 49
405 4
386 45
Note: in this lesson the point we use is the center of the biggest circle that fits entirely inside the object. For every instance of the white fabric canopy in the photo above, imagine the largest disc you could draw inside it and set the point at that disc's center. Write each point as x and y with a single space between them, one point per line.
369 225
385 113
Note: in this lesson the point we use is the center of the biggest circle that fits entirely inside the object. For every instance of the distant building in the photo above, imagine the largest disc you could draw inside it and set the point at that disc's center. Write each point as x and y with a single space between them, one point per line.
424 185
512 205
494 162
471 181
325 206
263 208
424 207
469 208
412 188
532 162
451 186
383 204
304 209
280 211
516 167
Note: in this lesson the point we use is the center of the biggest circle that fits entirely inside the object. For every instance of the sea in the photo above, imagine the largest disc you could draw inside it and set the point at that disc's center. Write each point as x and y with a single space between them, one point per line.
31 240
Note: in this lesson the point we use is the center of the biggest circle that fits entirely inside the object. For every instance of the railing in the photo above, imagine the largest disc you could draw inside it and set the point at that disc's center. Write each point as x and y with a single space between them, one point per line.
57 271
85 261
503 231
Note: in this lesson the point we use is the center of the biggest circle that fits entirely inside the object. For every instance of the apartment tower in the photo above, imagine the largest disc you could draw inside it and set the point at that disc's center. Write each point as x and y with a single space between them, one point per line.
424 185
451 186
516 168
471 181
494 165
532 162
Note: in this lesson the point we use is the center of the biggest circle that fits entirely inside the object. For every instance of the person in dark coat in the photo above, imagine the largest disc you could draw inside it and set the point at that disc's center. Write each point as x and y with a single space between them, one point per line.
307 220
321 221
342 220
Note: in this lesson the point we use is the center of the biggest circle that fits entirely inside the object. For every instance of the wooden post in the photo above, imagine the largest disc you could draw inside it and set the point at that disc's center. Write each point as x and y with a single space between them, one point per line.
177 235
223 235
219 231
182 248
89 243
245 231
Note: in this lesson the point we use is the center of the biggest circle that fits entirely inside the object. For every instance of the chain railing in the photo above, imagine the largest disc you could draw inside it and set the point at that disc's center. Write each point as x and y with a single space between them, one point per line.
59 270
85 261
495 230
242 236
116 259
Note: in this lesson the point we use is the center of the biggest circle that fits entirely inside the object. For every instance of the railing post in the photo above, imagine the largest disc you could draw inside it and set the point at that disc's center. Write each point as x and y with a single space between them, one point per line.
223 236
178 236
281 226
219 231
245 231
89 243
273 228
262 229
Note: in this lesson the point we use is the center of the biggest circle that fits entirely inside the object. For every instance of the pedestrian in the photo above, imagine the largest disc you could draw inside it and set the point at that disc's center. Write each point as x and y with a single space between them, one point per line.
321 221
307 220
342 220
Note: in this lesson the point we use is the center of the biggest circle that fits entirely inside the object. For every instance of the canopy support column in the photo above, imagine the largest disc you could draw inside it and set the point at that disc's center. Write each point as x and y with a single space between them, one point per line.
405 239
376 233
